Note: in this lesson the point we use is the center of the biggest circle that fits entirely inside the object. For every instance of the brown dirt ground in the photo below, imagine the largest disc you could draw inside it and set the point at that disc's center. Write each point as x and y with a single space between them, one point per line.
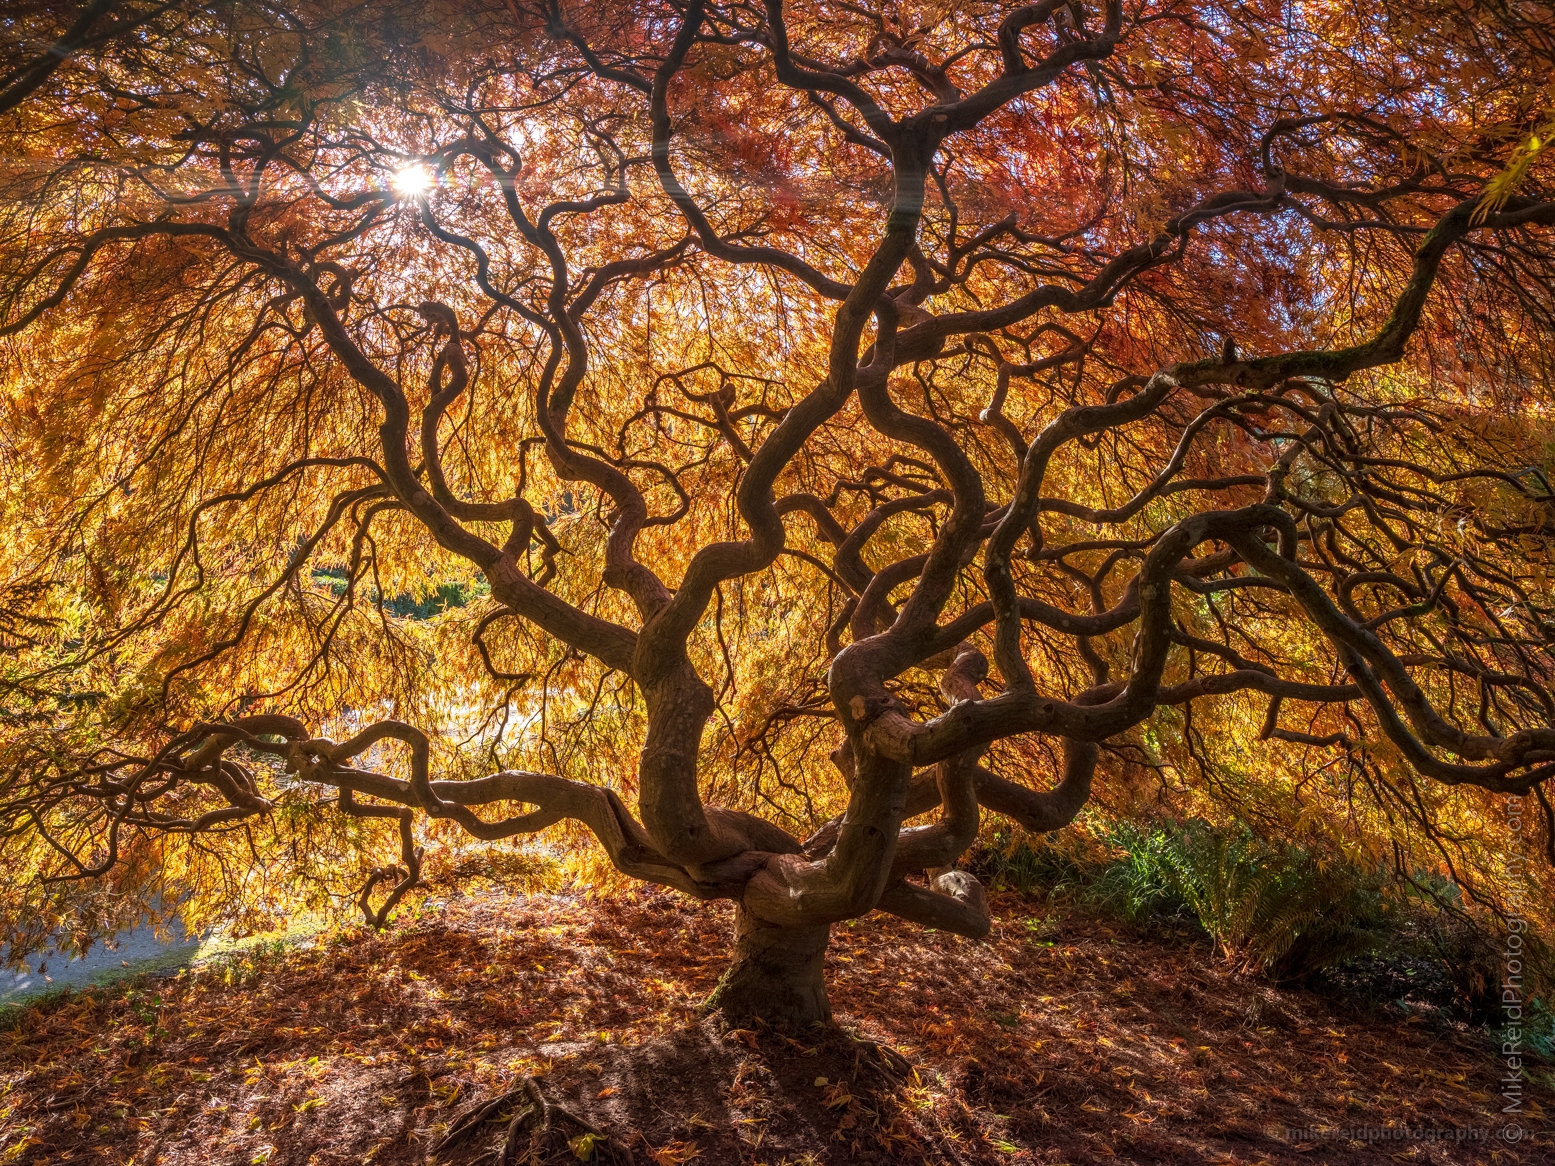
1055 1041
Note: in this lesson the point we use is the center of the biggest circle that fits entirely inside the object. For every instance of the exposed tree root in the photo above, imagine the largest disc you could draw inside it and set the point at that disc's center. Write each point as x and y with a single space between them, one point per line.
535 1132
883 1059
880 1059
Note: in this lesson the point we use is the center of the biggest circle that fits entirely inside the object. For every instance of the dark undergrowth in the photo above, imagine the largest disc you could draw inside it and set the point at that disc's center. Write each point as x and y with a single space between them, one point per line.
1291 917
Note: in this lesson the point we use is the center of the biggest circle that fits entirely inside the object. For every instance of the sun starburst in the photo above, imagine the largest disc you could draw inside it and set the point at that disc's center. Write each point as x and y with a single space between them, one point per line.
413 181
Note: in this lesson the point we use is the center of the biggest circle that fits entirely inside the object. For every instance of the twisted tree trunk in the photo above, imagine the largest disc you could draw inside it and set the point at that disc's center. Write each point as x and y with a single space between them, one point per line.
778 974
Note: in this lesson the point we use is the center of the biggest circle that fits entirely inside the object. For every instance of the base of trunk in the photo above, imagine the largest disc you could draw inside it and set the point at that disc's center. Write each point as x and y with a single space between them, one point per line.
778 974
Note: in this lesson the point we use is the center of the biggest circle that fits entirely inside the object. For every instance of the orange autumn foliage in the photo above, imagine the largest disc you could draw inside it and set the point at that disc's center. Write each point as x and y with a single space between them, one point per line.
733 431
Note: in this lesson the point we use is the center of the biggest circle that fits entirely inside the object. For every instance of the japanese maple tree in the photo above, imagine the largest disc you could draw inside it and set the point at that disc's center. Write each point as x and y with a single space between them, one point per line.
817 415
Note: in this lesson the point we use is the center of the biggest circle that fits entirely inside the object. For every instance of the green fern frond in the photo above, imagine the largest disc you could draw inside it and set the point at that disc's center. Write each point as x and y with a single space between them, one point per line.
1271 909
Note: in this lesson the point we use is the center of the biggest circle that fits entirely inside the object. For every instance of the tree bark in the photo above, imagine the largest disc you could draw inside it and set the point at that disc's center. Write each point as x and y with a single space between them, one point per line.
778 974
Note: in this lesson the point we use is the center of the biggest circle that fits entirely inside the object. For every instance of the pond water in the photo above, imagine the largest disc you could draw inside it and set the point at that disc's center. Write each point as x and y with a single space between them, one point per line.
132 953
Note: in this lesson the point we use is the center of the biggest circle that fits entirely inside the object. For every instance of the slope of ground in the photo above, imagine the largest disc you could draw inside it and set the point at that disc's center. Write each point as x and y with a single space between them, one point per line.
1052 1042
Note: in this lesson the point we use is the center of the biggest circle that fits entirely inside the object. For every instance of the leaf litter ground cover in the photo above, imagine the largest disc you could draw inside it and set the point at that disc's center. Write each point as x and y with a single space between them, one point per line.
1052 1042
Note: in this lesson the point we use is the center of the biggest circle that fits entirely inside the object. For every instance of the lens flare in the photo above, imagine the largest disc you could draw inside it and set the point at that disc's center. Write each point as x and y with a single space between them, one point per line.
413 181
